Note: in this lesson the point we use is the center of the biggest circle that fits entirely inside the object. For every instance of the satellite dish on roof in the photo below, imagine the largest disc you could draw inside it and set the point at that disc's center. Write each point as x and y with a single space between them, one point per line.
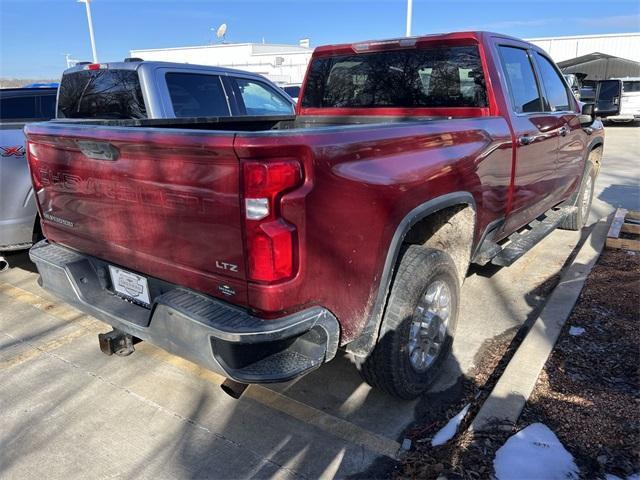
222 30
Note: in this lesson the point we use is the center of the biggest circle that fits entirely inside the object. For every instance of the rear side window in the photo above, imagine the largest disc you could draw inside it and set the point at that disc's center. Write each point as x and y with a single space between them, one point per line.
433 77
18 108
293 91
556 93
197 95
521 80
631 86
104 93
259 99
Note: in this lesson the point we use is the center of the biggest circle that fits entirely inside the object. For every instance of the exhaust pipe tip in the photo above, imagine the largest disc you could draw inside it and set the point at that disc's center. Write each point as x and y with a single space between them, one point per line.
233 389
4 265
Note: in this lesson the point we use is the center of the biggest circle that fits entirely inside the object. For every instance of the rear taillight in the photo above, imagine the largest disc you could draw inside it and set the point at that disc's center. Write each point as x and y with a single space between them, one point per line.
270 239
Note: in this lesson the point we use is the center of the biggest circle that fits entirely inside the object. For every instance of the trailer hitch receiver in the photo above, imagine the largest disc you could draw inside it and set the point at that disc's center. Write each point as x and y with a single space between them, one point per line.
117 342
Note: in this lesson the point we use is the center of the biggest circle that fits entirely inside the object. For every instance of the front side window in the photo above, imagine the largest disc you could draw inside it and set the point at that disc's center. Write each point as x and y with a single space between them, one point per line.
197 95
556 92
521 80
426 77
259 99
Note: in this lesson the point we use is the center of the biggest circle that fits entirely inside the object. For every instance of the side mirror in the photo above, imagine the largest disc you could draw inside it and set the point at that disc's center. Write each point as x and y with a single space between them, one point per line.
587 116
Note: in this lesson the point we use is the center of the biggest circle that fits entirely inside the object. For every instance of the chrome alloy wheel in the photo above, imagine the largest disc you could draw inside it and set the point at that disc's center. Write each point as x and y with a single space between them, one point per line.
428 331
586 197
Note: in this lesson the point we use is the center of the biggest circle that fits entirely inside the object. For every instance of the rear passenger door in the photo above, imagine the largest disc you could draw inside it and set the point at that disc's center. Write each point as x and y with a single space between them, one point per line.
536 134
563 114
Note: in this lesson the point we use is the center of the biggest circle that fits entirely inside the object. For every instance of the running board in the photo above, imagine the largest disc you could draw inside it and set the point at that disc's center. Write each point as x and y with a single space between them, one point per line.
521 242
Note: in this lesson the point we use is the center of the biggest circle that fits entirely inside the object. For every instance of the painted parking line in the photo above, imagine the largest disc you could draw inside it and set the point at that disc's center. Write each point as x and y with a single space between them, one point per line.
49 346
58 310
85 324
333 425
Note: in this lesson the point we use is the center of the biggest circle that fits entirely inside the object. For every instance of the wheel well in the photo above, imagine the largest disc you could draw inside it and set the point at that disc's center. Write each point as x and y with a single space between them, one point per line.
451 230
37 234
595 155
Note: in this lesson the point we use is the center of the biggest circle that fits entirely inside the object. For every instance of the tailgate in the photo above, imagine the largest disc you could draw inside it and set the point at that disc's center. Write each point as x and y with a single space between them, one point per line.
158 202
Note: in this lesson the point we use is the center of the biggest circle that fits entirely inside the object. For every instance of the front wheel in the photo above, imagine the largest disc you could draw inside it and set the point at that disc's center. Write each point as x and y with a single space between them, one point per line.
418 324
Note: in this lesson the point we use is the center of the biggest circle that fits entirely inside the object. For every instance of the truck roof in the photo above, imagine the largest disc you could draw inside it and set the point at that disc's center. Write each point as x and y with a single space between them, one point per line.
363 46
135 65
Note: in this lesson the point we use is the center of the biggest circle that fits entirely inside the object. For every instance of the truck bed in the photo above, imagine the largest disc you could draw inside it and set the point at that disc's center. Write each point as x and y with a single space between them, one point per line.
249 123
164 197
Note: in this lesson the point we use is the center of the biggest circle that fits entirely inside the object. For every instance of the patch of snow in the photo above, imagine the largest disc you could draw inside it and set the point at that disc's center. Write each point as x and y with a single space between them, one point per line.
634 476
536 453
610 476
447 432
576 331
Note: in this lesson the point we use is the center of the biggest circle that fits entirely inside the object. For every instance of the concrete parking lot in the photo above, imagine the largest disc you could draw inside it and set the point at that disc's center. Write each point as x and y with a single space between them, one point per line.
68 411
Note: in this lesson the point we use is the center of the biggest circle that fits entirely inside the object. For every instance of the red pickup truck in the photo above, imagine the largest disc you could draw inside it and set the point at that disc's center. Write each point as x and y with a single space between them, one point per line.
258 246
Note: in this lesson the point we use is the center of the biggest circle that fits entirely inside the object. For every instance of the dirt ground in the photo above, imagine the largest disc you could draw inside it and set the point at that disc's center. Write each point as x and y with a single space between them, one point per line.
588 392
466 456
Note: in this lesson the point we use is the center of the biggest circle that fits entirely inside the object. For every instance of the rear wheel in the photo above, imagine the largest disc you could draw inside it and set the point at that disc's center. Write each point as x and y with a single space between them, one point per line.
418 324
578 219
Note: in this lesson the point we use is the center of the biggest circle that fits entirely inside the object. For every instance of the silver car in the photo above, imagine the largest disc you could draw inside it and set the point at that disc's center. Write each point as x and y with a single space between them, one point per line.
133 89
18 106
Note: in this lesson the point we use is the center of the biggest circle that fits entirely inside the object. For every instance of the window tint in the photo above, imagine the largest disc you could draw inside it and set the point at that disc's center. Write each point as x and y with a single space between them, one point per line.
197 95
433 77
18 108
261 100
48 106
521 80
103 93
556 91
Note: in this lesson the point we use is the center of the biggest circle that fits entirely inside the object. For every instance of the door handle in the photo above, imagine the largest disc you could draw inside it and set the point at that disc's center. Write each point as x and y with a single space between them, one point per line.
527 139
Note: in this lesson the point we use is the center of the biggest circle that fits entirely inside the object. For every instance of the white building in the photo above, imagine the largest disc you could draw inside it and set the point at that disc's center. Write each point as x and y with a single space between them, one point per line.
286 64
282 64
623 45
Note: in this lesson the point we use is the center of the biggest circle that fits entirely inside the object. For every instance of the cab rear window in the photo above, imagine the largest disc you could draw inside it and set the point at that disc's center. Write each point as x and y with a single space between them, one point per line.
104 93
433 77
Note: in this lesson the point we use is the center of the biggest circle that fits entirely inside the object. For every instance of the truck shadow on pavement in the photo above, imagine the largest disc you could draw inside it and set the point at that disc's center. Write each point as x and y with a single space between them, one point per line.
179 424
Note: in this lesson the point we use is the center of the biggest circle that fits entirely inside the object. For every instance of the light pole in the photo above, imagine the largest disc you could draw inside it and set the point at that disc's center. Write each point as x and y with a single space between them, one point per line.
409 15
87 4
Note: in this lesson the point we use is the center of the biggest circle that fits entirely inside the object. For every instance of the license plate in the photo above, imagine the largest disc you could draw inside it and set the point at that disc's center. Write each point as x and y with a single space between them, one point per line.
130 285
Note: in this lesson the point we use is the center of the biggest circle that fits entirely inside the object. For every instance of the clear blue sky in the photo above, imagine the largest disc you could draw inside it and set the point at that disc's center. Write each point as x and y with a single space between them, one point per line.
35 34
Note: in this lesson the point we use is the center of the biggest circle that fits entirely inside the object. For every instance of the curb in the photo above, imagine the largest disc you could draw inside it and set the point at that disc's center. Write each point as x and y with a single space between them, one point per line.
511 392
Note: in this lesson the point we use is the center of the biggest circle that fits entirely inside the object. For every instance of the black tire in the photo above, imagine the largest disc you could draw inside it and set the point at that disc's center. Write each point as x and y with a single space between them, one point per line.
388 366
37 231
578 219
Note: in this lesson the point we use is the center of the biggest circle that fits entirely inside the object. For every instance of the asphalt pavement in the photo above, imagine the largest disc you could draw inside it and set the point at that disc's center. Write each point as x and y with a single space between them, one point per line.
68 411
